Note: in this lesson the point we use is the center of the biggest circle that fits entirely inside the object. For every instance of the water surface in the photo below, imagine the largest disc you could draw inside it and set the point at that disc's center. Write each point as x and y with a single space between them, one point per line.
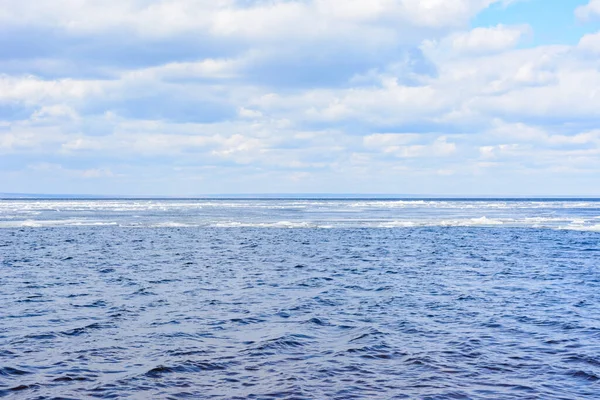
299 299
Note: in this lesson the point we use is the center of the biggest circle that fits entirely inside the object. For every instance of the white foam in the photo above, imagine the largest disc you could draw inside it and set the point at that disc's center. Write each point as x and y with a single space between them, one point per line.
170 224
397 224
52 223
481 221
540 220
485 221
585 228
279 224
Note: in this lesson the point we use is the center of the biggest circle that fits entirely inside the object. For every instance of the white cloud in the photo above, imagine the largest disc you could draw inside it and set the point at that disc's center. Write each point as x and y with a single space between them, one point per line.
53 112
588 11
523 133
209 68
479 40
443 12
486 40
590 43
31 90
24 138
249 113
389 139
401 145
57 169
414 93
487 151
257 19
521 83
96 173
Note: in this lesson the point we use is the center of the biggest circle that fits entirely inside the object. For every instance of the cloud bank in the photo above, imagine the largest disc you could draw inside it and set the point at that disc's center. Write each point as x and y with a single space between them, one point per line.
187 97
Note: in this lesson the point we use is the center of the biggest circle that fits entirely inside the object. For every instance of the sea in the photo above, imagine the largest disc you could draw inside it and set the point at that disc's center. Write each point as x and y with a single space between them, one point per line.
300 298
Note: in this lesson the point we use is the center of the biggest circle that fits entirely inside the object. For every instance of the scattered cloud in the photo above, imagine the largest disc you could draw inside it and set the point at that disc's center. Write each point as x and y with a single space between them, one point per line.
312 95
588 11
590 43
478 41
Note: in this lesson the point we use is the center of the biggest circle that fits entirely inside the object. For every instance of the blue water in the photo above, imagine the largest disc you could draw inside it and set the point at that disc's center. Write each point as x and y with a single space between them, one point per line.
300 299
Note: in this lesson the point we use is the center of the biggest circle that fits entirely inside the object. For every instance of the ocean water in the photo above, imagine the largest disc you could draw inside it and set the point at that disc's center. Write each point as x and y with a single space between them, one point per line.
300 299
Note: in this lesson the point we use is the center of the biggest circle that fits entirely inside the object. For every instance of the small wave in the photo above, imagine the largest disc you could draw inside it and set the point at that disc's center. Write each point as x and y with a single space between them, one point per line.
82 330
588 376
367 333
185 367
70 379
286 342
381 352
318 321
10 371
95 304
247 321
20 388
585 359
186 352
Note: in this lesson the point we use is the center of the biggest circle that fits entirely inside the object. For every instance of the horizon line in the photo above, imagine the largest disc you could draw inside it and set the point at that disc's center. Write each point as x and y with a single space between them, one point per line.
8 196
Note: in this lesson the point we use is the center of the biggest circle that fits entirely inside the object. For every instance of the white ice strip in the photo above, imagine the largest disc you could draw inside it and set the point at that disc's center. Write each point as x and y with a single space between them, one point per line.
583 225
481 221
315 213
397 224
580 227
123 206
53 223
279 224
169 224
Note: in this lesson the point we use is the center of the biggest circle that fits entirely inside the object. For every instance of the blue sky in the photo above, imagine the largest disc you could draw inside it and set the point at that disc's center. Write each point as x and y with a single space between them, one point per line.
192 97
551 21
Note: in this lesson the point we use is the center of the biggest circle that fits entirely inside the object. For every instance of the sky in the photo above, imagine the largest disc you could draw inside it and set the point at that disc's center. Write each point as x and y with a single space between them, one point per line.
193 97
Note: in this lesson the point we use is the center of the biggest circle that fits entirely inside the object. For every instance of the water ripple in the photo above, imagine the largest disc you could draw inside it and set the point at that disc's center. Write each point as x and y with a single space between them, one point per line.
261 313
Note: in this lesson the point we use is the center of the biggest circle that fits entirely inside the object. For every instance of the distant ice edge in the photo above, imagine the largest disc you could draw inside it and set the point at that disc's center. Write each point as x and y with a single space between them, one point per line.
481 222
